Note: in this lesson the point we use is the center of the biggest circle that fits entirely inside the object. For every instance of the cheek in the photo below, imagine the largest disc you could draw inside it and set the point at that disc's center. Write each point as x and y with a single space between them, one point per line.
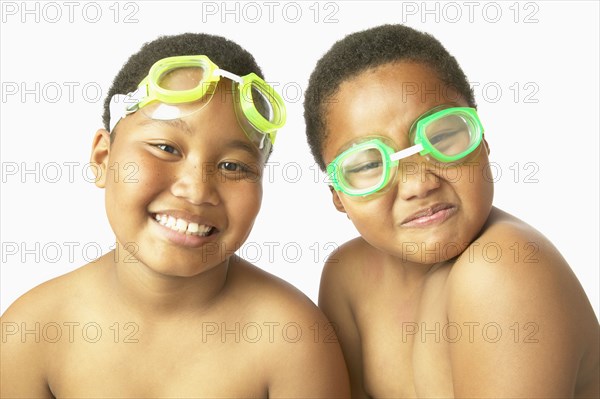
368 216
243 201
146 171
484 194
476 192
139 175
131 182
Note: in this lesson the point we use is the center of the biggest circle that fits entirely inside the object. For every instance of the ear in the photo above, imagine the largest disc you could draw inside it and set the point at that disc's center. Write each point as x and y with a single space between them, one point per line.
99 157
336 200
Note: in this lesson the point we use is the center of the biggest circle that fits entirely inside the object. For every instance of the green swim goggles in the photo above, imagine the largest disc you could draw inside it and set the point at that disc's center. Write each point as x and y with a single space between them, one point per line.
179 86
445 134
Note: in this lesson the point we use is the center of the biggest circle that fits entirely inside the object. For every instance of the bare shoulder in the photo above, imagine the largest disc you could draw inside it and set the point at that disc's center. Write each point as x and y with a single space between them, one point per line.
342 267
51 297
264 298
348 275
513 258
27 328
262 292
513 280
305 359
509 251
351 268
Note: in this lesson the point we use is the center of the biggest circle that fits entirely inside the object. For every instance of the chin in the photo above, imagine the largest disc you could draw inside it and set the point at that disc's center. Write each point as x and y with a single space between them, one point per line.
433 248
172 266
185 271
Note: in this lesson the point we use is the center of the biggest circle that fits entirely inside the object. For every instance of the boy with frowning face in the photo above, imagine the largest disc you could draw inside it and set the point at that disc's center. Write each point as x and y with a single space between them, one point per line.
420 308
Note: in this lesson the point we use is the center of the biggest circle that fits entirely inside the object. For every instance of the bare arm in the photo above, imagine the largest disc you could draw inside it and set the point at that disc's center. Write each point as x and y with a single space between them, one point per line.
334 303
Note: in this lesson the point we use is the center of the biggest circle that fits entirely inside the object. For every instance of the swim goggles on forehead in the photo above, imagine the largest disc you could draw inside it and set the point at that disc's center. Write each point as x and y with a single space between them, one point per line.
179 86
446 135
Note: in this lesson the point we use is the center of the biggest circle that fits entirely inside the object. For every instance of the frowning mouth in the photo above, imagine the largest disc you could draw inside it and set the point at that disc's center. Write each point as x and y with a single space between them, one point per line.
184 226
428 216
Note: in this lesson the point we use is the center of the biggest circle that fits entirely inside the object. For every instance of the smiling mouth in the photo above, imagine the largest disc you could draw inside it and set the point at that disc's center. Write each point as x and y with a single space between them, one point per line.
183 226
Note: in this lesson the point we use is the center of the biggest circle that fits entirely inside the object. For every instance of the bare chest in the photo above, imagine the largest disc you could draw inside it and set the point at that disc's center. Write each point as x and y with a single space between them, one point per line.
406 344
178 365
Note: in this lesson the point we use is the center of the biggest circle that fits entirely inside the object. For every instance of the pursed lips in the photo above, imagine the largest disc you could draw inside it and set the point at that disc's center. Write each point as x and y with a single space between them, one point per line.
432 214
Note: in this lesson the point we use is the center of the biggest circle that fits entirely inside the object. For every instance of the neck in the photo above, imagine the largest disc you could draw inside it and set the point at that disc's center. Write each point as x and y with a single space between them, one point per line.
155 295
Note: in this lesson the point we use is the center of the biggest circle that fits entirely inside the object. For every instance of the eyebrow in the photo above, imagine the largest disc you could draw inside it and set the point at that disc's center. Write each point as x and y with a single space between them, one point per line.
182 125
244 146
176 123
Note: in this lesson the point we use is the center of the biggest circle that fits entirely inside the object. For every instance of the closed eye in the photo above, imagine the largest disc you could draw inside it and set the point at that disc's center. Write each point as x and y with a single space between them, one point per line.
443 136
365 167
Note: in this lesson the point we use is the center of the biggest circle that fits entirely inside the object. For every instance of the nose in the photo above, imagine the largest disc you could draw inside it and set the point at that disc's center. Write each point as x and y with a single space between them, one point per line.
415 180
197 183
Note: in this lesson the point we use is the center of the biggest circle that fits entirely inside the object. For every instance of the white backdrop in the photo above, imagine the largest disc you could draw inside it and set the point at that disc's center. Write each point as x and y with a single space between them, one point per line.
534 66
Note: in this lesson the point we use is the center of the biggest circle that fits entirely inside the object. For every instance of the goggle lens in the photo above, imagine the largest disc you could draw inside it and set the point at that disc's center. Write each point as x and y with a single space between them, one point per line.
450 135
363 170
262 102
179 79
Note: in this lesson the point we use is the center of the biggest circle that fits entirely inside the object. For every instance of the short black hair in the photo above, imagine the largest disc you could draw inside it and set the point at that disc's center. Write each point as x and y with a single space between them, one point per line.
365 50
223 52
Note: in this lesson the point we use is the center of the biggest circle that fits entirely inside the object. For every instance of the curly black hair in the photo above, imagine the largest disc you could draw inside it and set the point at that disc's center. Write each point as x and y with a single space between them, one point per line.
223 52
365 50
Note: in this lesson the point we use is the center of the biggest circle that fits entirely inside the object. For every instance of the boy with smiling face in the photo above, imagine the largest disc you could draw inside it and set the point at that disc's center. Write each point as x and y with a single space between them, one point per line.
421 310
172 312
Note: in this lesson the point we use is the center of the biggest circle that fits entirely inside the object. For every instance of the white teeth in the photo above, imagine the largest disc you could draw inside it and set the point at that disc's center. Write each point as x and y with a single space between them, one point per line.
183 226
171 222
192 228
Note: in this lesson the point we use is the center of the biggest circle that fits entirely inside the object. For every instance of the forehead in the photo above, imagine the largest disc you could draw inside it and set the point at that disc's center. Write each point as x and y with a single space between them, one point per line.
383 101
213 125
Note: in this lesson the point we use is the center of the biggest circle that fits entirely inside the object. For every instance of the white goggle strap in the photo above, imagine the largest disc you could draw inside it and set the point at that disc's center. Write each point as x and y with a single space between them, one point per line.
229 75
261 145
407 152
122 105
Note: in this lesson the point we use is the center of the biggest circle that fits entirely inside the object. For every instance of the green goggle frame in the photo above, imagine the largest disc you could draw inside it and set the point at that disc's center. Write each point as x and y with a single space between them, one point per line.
359 175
